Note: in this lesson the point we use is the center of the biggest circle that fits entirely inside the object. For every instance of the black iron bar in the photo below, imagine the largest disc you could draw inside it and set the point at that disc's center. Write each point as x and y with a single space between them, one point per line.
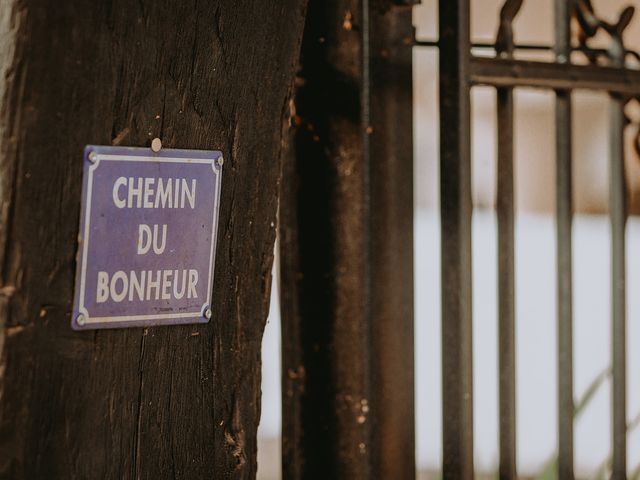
505 206
618 214
501 72
506 288
564 218
390 136
521 46
456 211
491 46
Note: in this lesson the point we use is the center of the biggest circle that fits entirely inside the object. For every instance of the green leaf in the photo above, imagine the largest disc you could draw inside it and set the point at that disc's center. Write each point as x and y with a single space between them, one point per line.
587 396
550 469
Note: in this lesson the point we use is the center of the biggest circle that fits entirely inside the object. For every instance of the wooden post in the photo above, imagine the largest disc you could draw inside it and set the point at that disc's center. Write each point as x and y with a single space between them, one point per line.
346 221
180 401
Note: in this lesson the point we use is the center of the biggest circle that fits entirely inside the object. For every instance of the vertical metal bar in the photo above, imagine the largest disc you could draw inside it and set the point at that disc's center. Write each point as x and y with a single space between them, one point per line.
390 134
506 253
456 211
564 218
618 215
506 289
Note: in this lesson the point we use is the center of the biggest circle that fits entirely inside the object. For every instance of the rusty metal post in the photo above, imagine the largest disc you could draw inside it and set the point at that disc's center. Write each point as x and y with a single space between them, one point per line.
391 218
346 219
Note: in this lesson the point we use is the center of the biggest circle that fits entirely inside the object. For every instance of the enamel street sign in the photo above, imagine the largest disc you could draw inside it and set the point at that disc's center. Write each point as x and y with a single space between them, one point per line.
147 237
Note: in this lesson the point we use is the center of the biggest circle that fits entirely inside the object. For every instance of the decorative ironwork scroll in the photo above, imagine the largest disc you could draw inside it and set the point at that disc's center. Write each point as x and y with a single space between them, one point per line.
504 39
590 24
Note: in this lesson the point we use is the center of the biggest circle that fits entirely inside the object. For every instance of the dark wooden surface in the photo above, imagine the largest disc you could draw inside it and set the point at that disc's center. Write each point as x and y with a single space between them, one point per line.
166 402
346 244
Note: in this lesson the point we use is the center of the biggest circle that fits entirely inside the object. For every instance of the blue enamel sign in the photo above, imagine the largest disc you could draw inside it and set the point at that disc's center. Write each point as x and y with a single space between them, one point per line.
147 238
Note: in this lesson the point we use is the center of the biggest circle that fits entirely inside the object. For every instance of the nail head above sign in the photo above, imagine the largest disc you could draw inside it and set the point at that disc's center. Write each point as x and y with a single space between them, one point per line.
146 243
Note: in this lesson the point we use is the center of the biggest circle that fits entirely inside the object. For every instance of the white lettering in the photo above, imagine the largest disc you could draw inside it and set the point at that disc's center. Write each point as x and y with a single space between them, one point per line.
176 193
151 284
189 194
166 284
179 293
159 249
103 287
134 193
122 181
193 280
144 239
148 191
136 286
119 296
146 285
163 194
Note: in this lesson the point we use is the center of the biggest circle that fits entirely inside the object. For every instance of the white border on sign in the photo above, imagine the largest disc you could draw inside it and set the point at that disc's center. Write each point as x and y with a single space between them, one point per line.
85 248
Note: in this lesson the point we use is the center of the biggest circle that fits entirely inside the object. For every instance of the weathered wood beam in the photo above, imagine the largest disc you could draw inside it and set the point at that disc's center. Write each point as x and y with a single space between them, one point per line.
181 401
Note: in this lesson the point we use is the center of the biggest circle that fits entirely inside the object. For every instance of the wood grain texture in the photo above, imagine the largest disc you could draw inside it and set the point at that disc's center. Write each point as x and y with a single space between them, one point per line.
166 402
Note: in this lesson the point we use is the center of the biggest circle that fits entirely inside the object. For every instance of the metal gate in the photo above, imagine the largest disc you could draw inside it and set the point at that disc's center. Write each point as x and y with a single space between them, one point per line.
346 232
460 71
